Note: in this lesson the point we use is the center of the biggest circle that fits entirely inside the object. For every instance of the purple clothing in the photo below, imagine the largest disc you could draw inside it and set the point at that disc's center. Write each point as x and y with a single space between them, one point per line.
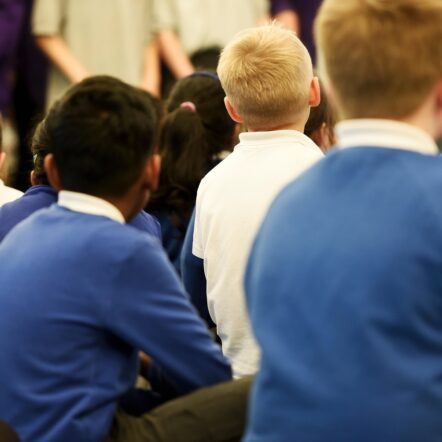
18 50
42 196
12 14
306 10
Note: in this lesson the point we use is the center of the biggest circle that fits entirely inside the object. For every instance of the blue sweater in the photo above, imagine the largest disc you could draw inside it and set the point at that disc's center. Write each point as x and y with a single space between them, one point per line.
344 286
193 276
80 294
41 196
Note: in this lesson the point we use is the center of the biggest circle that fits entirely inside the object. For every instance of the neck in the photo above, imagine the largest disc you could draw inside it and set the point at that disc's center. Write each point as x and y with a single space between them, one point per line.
129 205
422 122
425 118
298 125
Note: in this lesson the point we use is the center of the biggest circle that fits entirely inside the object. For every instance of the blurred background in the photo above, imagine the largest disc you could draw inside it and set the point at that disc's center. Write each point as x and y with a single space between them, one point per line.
47 45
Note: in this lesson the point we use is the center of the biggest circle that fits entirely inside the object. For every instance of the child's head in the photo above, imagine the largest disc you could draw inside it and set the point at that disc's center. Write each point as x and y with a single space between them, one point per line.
202 90
321 123
100 135
382 58
39 149
267 75
196 129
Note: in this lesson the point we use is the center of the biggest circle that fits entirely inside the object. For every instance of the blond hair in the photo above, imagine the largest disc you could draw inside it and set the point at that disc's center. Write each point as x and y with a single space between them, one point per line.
266 74
381 57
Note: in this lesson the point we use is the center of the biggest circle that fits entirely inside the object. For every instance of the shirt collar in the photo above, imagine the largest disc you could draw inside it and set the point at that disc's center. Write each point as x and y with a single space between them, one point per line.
384 133
91 205
275 136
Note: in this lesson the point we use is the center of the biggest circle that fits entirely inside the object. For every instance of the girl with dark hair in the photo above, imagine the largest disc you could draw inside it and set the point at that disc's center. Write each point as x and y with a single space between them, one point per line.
320 126
196 133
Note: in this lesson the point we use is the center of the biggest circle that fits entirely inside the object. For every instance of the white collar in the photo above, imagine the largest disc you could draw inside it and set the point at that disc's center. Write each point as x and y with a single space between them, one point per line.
91 205
263 138
384 133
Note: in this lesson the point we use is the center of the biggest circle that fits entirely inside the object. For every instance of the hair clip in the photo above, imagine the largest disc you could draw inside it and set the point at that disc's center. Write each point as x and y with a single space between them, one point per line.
188 105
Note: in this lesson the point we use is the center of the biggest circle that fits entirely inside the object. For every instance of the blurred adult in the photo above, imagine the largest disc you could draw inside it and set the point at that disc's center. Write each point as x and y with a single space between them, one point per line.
23 71
192 32
112 37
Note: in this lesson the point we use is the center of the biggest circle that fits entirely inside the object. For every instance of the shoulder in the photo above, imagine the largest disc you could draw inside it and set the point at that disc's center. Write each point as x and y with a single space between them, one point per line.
146 223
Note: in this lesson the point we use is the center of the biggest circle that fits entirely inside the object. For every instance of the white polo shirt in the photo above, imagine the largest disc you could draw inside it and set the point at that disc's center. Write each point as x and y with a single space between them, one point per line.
231 203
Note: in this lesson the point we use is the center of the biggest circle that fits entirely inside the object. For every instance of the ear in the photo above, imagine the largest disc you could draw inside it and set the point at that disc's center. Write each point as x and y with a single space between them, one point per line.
34 181
2 158
52 172
323 137
315 93
438 108
234 115
152 172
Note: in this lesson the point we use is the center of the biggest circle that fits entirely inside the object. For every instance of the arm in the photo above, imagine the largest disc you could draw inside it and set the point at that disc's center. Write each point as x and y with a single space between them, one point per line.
285 12
290 20
60 54
263 12
149 310
151 76
174 55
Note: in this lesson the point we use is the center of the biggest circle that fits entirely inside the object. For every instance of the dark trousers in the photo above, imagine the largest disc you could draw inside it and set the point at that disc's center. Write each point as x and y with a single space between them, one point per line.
214 414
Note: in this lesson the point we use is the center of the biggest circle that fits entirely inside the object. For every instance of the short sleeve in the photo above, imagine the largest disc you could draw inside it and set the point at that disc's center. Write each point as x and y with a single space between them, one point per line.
48 17
197 246
149 22
262 7
164 15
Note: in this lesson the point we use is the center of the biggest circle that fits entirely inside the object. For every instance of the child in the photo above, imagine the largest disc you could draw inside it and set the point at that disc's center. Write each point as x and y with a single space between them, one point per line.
320 128
7 194
196 131
267 76
41 194
81 292
344 282
321 122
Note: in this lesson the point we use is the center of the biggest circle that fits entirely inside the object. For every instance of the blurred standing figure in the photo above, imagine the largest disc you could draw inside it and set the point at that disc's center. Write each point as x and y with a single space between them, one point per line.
190 27
23 71
298 15
11 18
83 38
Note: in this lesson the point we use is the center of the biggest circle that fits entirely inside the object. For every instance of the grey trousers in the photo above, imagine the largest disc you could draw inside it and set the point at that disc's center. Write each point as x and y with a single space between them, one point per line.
214 414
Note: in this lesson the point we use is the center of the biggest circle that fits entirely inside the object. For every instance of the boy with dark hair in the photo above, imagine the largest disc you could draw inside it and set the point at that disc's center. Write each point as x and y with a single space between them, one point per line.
81 293
351 335
41 194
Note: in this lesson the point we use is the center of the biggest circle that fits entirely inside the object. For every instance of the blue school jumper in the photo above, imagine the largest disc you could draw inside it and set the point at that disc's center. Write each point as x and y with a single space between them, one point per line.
41 196
344 286
79 296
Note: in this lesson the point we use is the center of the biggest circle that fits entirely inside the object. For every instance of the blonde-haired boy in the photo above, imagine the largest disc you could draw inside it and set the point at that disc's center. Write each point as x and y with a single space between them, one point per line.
267 75
350 336
268 79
